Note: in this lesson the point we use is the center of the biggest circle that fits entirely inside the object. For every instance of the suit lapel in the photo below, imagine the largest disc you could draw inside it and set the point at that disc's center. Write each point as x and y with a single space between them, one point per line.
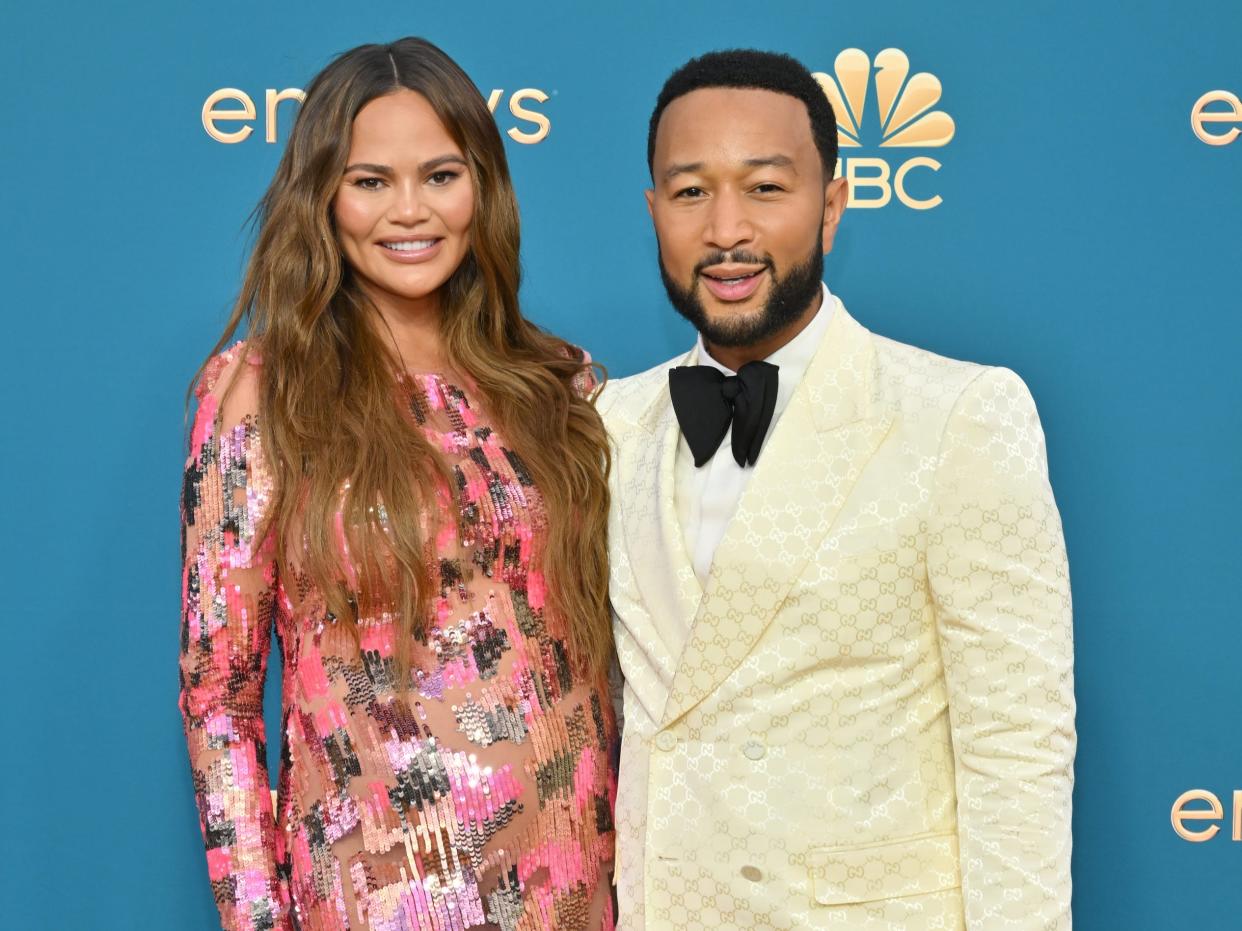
663 579
816 452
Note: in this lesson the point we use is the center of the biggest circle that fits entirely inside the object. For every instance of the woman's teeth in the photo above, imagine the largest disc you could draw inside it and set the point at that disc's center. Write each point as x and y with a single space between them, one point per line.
409 246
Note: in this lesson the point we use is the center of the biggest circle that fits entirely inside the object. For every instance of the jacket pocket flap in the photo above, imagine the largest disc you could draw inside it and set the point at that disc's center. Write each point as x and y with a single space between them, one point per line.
889 870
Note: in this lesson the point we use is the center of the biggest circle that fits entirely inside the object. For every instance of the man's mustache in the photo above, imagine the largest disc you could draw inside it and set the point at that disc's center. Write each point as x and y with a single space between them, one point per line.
734 257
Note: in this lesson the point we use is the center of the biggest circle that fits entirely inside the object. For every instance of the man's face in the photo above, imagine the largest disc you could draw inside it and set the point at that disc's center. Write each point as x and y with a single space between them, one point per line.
741 210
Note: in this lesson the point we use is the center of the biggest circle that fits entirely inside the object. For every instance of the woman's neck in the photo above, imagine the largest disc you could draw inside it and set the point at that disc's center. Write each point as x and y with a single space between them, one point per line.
412 329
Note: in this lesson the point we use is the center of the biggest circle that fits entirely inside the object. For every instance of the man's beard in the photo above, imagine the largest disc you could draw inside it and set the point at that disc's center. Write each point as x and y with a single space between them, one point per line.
789 295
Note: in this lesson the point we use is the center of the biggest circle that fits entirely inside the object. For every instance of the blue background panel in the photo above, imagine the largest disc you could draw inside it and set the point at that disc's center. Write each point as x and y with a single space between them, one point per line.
1086 239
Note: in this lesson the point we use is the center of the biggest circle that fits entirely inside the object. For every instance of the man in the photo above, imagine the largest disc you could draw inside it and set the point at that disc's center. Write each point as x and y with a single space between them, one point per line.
841 599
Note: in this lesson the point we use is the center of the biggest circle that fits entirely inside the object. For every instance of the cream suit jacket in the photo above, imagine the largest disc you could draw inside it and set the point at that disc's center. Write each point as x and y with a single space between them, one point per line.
871 725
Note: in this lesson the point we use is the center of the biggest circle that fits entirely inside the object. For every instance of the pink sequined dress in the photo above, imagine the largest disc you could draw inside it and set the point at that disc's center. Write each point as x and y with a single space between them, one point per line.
482 796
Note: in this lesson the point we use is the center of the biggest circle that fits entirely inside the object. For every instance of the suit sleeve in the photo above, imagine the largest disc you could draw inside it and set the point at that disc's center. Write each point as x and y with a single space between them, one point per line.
228 601
1000 584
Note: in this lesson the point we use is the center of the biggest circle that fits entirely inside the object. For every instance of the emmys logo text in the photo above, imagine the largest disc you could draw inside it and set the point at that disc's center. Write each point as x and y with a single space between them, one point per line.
1225 107
228 113
905 120
1214 811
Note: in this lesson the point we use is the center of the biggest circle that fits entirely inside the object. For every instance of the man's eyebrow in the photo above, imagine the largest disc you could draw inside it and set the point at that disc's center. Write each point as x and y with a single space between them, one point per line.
426 166
770 161
685 168
760 161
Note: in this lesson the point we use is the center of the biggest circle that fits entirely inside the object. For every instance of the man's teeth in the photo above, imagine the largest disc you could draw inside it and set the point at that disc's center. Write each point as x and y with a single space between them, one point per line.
409 246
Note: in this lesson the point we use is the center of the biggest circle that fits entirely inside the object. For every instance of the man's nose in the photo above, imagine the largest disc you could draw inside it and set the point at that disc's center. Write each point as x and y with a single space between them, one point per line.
728 224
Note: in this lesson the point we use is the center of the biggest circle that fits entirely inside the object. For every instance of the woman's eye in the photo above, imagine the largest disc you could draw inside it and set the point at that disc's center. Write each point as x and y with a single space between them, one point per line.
368 184
441 178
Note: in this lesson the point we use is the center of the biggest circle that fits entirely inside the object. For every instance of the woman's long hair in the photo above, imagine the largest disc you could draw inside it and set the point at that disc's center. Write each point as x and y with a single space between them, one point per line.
330 423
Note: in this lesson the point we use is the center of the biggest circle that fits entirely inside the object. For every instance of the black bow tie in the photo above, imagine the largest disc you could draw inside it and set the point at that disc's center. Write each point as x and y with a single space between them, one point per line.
707 400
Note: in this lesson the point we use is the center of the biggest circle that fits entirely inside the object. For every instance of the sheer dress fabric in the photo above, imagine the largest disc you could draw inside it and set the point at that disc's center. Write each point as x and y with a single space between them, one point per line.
483 796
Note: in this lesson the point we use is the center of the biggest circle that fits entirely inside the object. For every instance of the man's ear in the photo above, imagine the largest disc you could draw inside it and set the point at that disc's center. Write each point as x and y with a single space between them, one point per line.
836 198
650 195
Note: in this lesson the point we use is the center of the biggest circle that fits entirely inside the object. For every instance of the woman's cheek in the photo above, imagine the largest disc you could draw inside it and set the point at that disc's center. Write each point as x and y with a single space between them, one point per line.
350 215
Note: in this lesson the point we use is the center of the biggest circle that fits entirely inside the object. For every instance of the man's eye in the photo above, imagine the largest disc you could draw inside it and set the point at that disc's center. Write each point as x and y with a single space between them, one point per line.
689 192
768 188
441 178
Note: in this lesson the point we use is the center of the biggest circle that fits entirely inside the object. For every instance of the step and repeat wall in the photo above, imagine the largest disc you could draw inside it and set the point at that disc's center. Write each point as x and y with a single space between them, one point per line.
1053 187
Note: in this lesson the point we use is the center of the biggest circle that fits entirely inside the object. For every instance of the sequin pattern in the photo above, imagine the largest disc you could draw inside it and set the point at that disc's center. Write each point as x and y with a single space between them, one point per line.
483 796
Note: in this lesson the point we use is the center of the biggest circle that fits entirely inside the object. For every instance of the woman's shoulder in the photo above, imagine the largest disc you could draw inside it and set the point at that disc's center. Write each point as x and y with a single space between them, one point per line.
239 360
585 379
229 384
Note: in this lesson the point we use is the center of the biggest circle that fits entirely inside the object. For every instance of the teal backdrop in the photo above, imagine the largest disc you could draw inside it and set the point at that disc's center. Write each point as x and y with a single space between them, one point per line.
1086 238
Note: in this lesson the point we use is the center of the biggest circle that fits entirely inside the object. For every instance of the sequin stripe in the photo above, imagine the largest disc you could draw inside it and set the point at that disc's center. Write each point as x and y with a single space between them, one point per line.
492 517
494 717
433 900
500 510
319 896
564 836
557 742
414 905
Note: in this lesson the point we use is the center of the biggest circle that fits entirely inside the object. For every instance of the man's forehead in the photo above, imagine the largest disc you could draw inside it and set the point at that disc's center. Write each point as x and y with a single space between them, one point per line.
731 124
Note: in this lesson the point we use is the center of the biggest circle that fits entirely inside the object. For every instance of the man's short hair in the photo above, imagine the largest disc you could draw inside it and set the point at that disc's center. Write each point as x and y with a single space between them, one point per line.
754 70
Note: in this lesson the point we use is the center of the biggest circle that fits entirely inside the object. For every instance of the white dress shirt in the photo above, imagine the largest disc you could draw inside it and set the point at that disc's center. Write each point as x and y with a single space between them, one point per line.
708 496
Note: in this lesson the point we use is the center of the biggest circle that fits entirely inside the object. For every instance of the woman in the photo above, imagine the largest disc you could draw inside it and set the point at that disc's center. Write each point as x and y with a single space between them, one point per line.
407 479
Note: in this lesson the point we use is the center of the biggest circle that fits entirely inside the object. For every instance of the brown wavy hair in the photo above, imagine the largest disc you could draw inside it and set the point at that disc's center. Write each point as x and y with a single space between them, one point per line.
330 423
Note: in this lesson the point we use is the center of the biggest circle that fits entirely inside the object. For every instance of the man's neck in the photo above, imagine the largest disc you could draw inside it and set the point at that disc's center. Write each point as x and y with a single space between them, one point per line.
734 357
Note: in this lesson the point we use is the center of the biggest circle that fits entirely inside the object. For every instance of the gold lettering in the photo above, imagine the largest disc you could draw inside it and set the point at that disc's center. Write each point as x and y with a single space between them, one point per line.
879 180
274 98
531 116
1199 116
899 183
211 115
1179 815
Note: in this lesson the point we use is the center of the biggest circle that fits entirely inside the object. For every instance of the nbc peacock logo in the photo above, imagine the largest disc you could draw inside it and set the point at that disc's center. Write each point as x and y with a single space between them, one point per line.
903 105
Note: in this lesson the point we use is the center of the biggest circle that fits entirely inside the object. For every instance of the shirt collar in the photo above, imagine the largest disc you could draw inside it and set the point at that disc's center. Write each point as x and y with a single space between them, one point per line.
792 359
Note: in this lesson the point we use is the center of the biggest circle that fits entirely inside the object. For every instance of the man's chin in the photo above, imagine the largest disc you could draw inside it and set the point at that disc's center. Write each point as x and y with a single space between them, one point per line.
733 316
737 328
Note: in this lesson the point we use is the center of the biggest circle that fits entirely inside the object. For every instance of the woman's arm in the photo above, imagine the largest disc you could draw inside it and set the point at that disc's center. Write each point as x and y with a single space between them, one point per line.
228 592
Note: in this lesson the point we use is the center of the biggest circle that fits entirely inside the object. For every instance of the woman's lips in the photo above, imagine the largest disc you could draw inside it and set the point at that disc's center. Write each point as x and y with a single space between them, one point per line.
410 252
735 288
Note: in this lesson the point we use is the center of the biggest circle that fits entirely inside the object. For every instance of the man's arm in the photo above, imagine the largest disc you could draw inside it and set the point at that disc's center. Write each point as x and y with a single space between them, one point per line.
1000 584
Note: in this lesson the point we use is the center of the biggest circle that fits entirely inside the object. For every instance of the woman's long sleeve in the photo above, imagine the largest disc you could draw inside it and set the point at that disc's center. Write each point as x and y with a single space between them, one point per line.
229 602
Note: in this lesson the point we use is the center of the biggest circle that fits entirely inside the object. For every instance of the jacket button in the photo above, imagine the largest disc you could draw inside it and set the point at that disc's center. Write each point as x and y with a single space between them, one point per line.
665 741
754 750
753 873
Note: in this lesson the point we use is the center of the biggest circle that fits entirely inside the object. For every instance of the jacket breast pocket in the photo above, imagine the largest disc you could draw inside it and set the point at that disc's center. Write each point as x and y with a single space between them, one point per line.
888 870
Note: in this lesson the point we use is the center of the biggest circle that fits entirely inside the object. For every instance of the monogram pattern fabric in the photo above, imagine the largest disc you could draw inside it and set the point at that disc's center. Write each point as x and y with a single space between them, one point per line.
872 723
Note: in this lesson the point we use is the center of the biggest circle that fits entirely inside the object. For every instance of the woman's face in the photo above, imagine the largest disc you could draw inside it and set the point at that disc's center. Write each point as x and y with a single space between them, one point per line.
404 206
